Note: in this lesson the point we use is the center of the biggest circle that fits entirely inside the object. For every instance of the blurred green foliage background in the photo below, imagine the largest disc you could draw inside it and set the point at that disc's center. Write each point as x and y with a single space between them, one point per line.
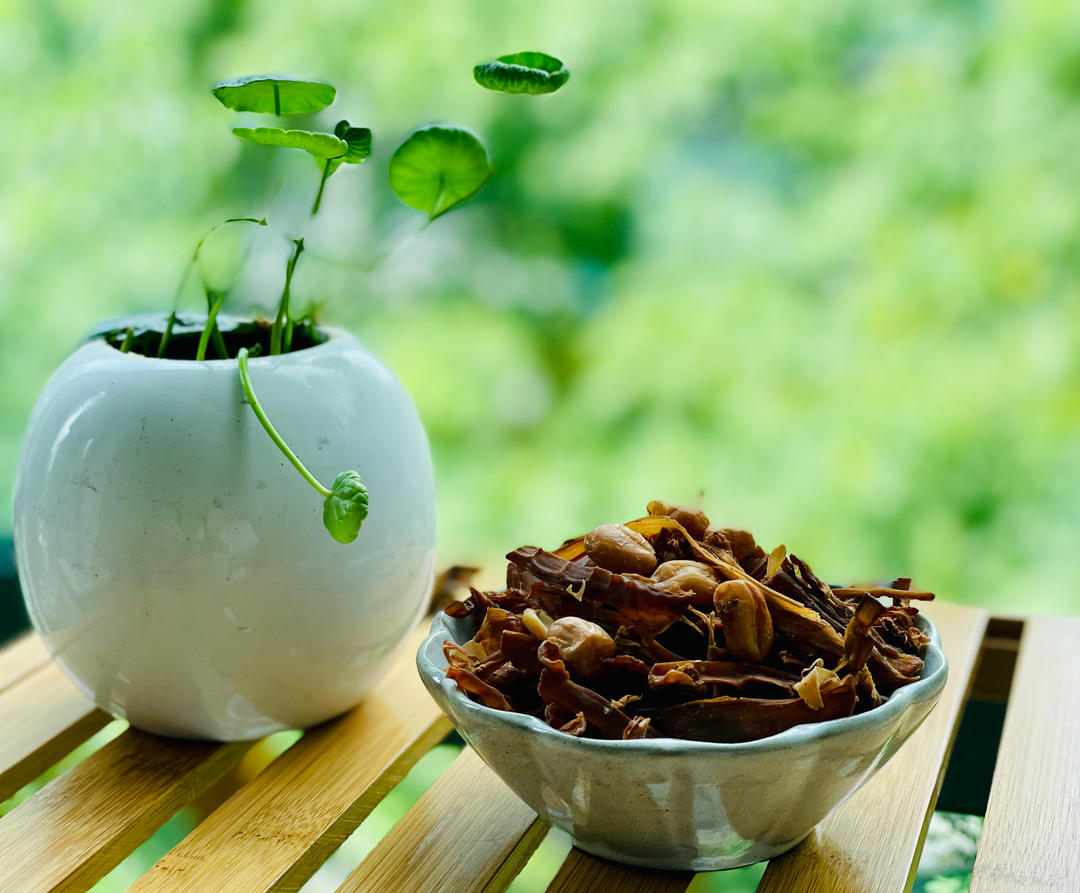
813 268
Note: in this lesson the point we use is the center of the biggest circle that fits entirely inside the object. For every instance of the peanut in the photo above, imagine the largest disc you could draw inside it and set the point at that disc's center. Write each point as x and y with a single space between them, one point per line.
582 644
748 630
617 548
689 576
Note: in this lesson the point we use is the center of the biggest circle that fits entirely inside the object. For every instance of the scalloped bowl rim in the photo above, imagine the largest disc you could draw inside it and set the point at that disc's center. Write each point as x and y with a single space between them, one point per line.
928 686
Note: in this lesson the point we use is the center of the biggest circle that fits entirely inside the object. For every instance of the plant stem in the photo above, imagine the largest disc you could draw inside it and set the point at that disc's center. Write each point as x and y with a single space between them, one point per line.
322 183
204 338
277 100
287 340
283 305
128 337
215 332
166 335
256 407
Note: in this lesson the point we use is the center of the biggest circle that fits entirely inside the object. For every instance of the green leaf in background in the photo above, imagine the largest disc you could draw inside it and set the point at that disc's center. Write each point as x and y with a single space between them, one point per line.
321 145
269 95
437 168
528 72
359 140
346 507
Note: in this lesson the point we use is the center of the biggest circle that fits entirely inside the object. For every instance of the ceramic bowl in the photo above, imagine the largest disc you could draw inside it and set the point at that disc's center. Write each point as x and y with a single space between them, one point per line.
676 804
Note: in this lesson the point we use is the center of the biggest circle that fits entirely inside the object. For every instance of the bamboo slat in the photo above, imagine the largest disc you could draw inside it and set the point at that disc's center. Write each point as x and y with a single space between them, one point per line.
872 842
43 717
580 871
274 832
468 833
20 657
79 826
1029 837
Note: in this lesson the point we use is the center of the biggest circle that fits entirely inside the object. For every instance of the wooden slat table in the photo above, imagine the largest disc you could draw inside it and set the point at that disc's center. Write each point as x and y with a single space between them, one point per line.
468 832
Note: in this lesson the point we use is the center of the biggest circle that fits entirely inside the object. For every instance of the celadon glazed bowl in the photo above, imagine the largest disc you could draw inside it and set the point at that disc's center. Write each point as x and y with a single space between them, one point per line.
676 804
177 566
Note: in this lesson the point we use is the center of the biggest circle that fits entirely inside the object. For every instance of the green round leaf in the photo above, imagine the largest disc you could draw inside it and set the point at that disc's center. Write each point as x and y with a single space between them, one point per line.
359 140
528 72
437 168
346 507
269 95
321 145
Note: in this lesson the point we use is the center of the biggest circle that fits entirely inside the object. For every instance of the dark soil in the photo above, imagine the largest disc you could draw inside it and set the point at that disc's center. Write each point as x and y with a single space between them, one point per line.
183 342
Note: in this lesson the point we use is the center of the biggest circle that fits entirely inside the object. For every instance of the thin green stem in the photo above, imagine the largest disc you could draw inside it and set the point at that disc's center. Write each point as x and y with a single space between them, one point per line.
283 305
166 335
215 332
129 336
204 338
277 100
256 407
322 183
287 341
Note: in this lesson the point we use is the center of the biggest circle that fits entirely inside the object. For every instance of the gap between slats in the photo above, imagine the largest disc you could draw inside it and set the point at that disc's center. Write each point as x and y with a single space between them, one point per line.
82 824
468 833
1028 838
274 832
872 843
43 717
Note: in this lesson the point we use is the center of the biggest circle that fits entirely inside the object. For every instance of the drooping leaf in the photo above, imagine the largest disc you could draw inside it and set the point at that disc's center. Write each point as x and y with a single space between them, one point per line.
274 95
528 72
346 507
321 145
358 139
437 168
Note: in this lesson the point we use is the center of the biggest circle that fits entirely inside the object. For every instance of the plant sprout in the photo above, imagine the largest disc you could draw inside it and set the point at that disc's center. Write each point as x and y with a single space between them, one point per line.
358 149
528 72
345 503
283 305
211 321
434 170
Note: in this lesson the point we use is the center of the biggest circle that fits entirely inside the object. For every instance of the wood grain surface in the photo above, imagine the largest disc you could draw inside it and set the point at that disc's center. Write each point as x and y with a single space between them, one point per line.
1029 837
43 717
871 844
582 872
468 833
79 826
275 831
20 657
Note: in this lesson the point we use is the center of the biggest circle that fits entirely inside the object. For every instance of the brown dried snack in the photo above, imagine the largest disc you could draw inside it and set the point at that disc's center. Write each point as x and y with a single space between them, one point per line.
617 548
667 626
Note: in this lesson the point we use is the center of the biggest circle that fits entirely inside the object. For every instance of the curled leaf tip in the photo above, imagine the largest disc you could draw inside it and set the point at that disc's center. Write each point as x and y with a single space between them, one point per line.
346 507
358 140
528 72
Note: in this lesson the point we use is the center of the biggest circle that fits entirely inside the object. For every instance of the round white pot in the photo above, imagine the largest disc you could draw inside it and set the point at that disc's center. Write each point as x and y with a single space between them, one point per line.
177 565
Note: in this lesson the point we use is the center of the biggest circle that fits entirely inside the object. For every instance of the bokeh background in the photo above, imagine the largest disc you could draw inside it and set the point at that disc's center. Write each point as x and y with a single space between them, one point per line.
814 269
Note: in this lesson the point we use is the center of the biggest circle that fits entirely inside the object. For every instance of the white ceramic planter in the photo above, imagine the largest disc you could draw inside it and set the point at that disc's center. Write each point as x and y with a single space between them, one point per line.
177 566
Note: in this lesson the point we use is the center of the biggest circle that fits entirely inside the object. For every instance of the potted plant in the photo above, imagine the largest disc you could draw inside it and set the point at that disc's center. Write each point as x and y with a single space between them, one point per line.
225 526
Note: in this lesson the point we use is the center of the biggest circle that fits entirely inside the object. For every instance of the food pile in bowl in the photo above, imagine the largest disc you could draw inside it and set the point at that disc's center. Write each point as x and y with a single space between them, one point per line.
669 627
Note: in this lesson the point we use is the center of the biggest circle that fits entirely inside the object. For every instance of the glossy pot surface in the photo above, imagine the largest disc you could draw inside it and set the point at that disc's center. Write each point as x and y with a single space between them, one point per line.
177 565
